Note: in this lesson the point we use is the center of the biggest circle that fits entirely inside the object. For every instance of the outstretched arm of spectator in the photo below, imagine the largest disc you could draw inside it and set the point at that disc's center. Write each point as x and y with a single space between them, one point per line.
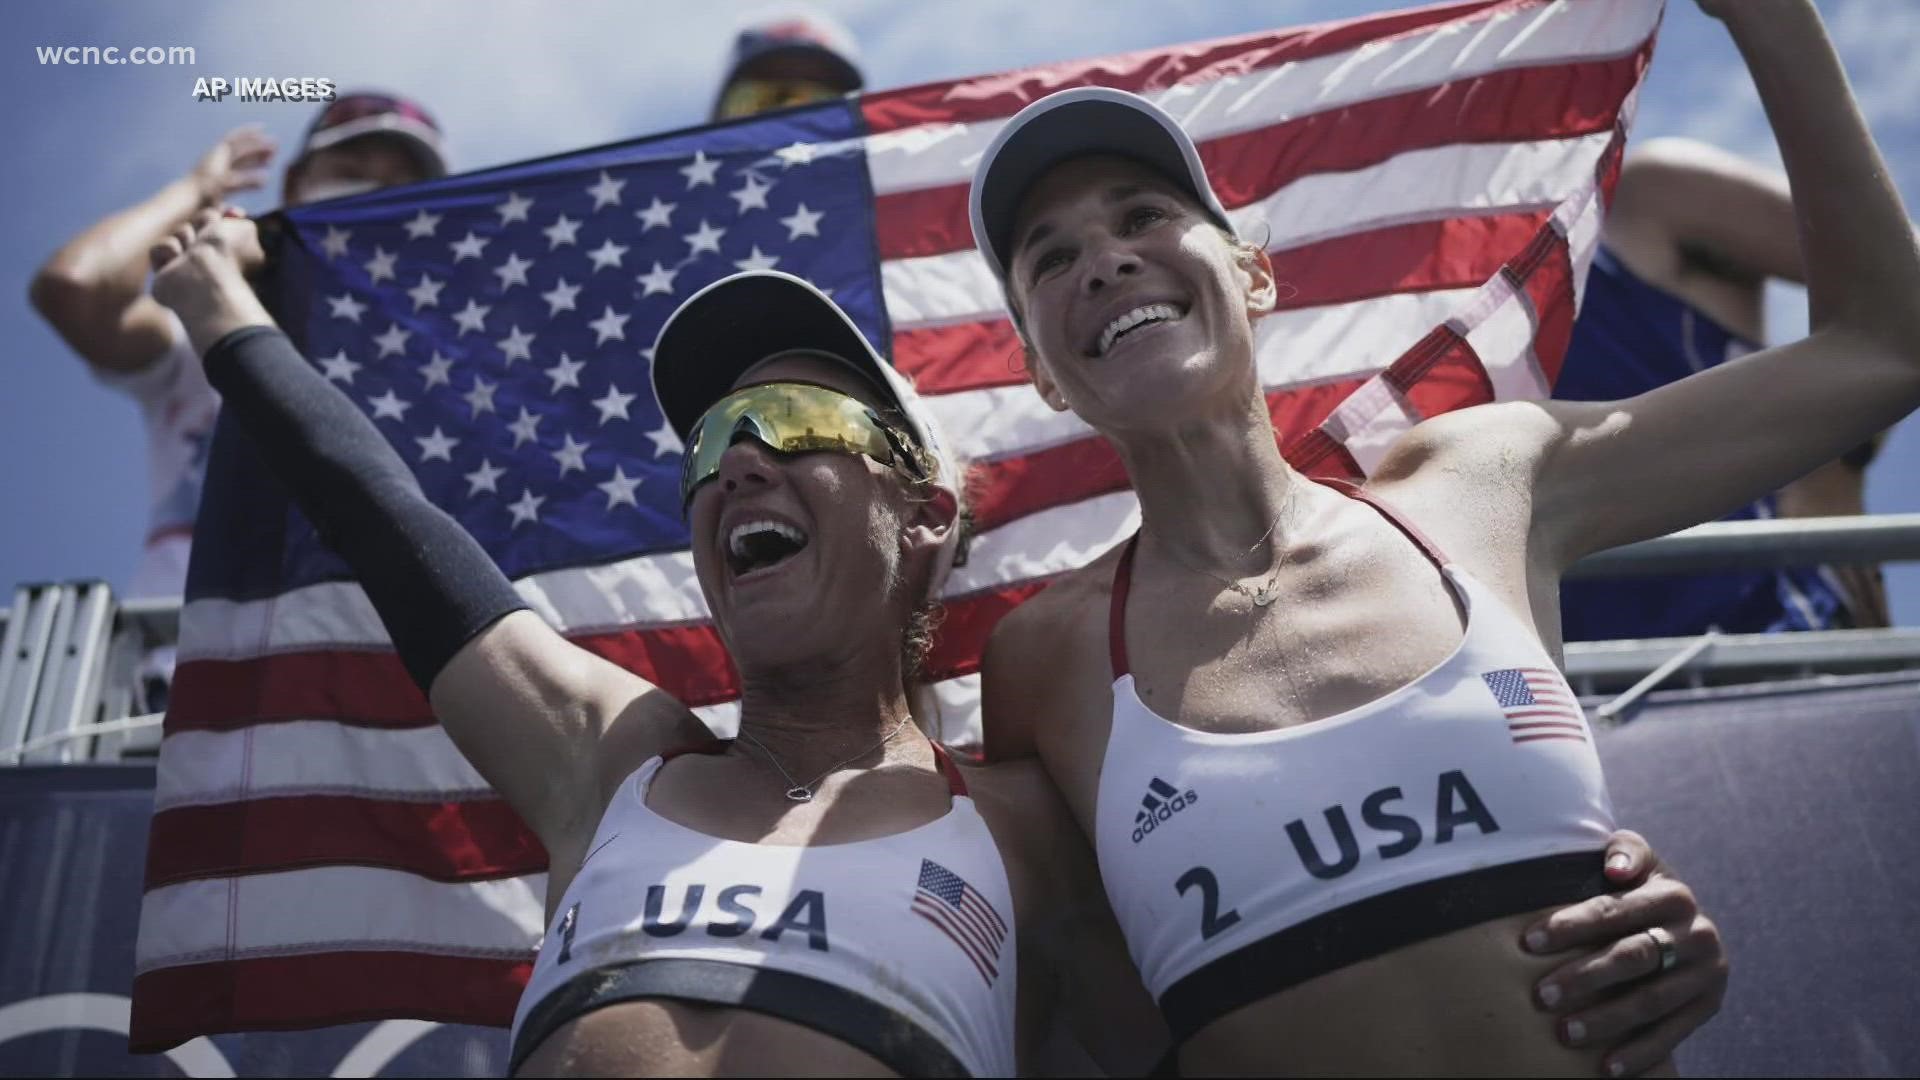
94 289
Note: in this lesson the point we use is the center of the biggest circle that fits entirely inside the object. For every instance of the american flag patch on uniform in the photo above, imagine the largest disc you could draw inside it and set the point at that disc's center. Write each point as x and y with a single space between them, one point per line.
957 910
1537 703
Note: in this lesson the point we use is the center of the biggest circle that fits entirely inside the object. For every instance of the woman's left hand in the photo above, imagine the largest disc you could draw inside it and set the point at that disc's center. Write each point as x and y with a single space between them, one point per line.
1626 989
199 271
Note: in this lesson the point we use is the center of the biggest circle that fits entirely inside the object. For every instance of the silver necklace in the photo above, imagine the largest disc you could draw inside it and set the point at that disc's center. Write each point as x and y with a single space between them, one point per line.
800 792
1269 590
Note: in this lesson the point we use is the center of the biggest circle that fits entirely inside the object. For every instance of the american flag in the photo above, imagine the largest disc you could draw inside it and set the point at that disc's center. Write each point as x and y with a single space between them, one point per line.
1537 703
1430 182
944 899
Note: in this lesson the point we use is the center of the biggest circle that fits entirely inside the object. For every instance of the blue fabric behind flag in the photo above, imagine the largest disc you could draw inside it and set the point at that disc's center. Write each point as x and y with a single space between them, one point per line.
498 327
1630 338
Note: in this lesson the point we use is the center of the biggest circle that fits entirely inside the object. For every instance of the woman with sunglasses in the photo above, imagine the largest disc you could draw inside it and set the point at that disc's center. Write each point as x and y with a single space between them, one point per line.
830 894
1317 733
788 58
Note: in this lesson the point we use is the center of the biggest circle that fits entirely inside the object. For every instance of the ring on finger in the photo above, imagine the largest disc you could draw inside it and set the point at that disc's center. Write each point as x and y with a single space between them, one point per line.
1669 955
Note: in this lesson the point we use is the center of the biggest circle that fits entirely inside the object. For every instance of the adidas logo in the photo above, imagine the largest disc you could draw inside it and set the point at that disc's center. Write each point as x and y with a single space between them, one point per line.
1161 802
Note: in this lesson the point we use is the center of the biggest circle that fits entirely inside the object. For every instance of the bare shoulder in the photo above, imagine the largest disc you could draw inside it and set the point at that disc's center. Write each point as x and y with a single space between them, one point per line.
1496 444
652 722
1067 933
1038 839
1069 601
1468 479
1029 820
552 726
1041 653
1009 790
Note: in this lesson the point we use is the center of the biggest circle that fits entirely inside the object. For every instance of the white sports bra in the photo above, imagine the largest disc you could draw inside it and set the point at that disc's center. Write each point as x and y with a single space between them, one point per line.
900 946
1243 864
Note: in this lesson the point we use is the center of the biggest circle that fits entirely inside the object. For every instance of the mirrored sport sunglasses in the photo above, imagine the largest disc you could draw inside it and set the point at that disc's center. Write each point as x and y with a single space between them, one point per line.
795 418
752 96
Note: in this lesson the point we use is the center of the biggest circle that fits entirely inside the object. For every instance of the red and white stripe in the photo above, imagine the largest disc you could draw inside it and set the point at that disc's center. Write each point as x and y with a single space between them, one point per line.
1431 183
1555 714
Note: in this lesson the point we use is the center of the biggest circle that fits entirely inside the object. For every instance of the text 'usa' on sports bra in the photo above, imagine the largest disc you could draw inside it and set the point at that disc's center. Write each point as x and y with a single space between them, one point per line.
900 946
1240 865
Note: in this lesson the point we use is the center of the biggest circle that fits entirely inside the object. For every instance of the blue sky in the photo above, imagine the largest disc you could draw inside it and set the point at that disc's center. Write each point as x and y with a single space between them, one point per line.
516 80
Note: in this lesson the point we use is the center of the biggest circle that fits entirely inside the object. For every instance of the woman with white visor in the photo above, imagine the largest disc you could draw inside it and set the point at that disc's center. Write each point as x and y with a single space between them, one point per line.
828 895
1317 733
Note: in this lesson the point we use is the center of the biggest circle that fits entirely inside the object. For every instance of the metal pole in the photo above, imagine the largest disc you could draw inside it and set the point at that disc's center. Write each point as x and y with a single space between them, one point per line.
1625 701
1749 545
108 727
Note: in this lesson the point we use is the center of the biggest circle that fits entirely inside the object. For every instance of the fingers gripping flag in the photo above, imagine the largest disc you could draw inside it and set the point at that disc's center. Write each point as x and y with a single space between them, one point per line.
1430 182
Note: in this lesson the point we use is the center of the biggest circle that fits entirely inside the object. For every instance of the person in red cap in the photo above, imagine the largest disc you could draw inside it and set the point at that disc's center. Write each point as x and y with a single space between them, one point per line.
94 293
361 142
792 56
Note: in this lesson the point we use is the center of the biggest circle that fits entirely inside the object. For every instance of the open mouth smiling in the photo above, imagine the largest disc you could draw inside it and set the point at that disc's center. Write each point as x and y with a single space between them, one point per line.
1132 321
760 544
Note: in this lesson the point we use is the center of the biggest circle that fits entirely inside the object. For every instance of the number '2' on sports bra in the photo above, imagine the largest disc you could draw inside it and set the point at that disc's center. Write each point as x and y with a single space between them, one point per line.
1242 864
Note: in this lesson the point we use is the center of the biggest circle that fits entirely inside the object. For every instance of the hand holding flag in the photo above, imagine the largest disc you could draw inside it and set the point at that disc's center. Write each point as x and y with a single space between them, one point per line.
1432 183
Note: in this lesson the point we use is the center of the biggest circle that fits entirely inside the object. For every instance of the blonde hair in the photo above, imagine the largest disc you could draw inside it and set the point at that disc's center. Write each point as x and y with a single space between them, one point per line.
923 624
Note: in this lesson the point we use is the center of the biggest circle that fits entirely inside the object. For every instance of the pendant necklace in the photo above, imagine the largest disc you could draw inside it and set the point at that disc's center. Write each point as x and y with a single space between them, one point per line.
800 792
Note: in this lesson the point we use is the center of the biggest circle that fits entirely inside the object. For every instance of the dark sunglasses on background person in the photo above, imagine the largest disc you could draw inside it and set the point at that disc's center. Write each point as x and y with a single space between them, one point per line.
751 96
795 418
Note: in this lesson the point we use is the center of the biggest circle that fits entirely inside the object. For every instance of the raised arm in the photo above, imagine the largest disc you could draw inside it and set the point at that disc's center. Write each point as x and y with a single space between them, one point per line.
1610 473
1047 668
1712 228
527 707
94 289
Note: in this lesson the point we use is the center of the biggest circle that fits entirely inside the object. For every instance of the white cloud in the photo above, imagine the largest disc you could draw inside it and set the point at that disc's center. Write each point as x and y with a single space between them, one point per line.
1878 43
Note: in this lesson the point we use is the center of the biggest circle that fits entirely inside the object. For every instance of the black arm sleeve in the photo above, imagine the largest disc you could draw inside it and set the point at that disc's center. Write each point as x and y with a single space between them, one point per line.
433 584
